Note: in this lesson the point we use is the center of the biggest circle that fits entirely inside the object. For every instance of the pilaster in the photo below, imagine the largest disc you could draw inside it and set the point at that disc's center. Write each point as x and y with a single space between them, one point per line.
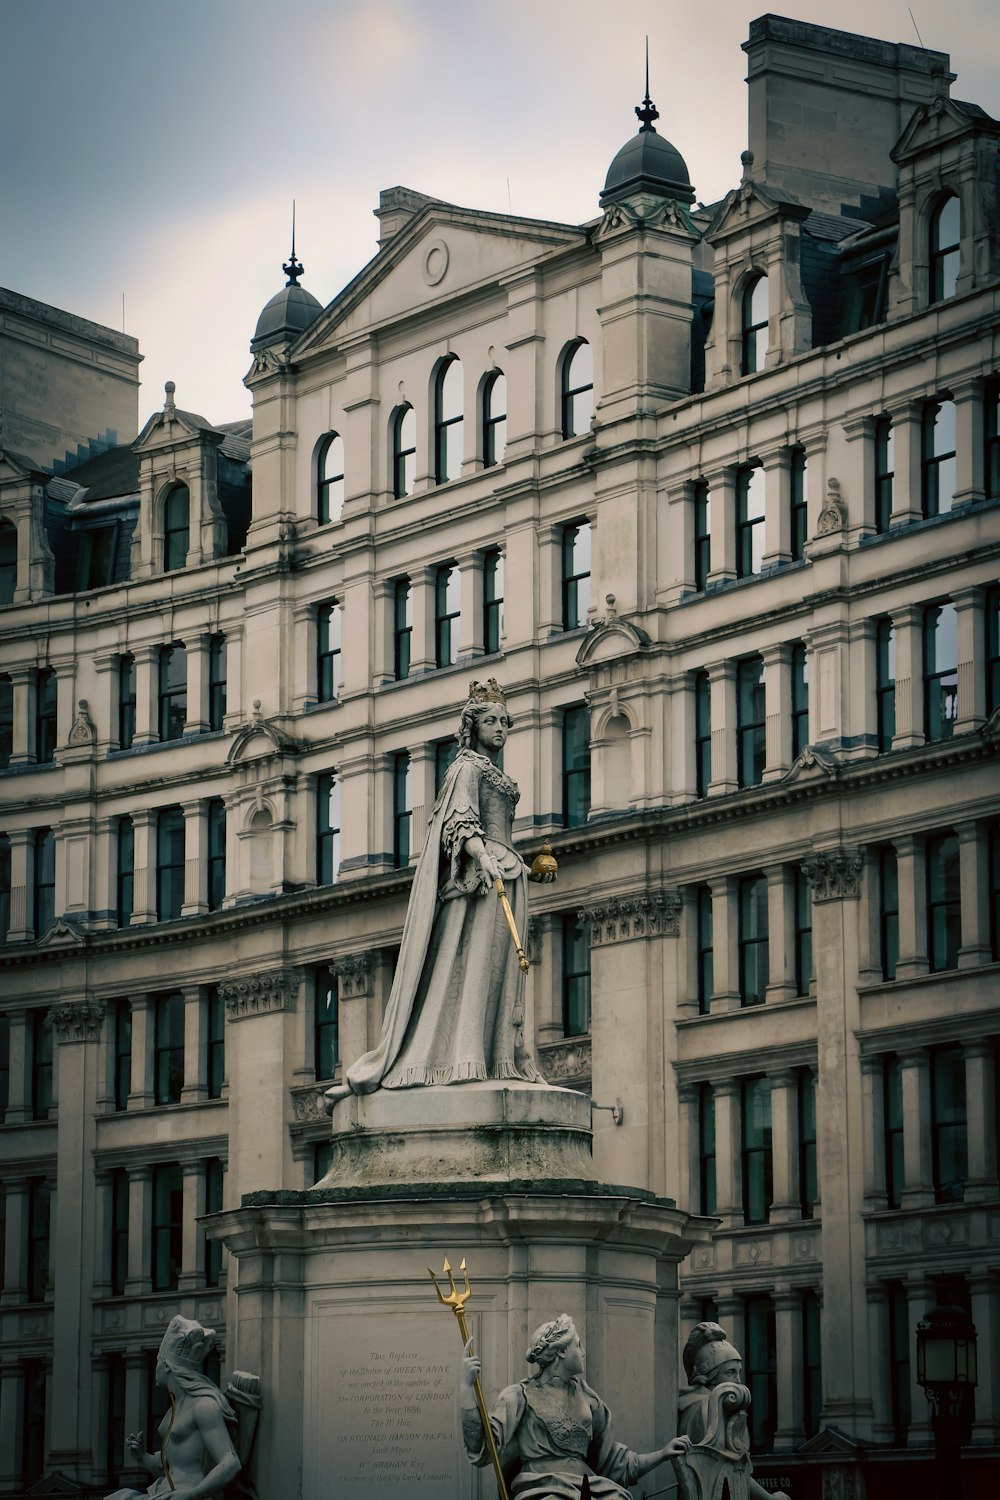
139 1281
912 885
722 686
784 1147
915 1078
778 710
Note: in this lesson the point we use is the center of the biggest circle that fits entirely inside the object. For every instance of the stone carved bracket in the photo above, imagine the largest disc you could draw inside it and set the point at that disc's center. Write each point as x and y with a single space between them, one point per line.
643 915
566 1062
259 994
355 975
78 1021
833 514
834 874
309 1104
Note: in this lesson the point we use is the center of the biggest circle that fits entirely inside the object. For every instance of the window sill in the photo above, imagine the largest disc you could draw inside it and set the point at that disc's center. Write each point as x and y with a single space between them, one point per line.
925 523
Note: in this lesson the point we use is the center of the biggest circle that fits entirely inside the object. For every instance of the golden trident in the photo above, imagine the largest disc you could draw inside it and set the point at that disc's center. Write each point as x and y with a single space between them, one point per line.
456 1300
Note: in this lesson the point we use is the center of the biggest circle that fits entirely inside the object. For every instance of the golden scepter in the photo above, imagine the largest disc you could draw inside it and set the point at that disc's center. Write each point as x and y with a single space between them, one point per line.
456 1300
521 956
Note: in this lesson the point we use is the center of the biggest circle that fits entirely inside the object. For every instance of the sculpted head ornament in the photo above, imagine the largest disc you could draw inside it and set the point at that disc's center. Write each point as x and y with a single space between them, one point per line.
186 1345
489 691
550 1340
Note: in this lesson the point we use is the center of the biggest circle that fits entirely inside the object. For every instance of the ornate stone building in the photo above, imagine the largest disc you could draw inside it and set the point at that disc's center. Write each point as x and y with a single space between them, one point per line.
714 491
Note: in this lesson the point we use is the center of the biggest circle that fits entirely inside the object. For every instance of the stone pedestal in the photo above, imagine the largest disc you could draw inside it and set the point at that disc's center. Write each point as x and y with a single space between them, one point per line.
335 1308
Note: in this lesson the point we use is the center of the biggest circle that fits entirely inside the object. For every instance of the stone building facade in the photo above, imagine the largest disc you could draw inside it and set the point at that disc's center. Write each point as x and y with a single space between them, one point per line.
713 491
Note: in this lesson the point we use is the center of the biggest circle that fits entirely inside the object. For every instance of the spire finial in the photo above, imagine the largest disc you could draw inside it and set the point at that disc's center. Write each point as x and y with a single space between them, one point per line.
647 110
293 268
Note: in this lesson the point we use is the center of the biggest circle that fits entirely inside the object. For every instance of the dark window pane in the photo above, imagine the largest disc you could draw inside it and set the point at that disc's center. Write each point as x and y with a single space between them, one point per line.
8 561
216 853
404 463
946 234
168 1212
126 701
6 721
892 1106
123 1053
494 420
447 614
329 641
168 1048
492 601
576 575
449 442
760 1372
44 892
703 733
169 863
327 828
578 390
576 766
754 327
326 1028
176 528
402 624
216 681
944 902
125 871
798 523
749 521
949 1125
706 956
750 721
702 534
576 976
173 692
216 1069
330 496
756 1154
402 809
884 473
706 1149
214 1179
46 715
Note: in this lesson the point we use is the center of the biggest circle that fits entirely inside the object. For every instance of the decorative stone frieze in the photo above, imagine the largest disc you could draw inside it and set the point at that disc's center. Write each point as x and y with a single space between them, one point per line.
355 975
566 1062
258 994
78 1021
309 1105
642 915
834 874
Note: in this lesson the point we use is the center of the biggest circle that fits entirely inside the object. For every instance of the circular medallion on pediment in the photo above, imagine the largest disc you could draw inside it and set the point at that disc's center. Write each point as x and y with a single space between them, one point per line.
435 264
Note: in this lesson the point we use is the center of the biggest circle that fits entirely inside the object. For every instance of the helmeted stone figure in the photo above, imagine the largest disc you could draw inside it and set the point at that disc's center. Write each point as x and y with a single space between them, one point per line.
712 1415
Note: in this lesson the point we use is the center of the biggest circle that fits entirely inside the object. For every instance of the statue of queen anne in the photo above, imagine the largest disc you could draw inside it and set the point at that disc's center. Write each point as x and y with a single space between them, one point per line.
456 1011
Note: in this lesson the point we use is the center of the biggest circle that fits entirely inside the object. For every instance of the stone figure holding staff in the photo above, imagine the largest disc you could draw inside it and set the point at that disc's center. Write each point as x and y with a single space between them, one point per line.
456 1011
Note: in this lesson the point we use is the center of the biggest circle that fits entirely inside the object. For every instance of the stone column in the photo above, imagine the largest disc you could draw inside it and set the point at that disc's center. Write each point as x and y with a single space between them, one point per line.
470 635
99 1414
675 544
915 1078
259 1011
906 443
878 1342
907 623
985 1292
788 1347
549 601
422 646
981 1106
18 1110
195 859
192 1274
21 928
683 781
139 1281
722 488
22 684
971 633
728 1176
355 975
861 707
912 884
133 1475
725 945
781 936
141 1091
970 477
785 1206
196 719
722 686
869 934
422 771
15 1281
688 1144
873 1132
147 663
195 1087
732 1318
234 679
974 878
921 1296
144 866
102 1232
860 434
777 503
778 710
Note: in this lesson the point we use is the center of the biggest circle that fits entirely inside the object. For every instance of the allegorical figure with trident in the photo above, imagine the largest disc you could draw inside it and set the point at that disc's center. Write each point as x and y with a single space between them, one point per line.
456 1011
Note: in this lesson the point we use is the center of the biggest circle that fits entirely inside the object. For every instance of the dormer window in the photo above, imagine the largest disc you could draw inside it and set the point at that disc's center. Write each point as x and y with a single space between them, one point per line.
945 247
404 451
449 426
176 528
330 483
577 389
753 326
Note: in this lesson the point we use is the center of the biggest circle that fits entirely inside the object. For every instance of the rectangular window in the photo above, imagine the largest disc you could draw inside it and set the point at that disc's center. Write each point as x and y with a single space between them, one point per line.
114 1448
402 628
32 1464
492 601
892 1114
41 1065
122 1052
576 766
760 1372
6 720
798 524
803 933
5 887
702 733
702 534
949 1125
706 1149
992 650
46 713
447 614
899 1360
327 828
44 885
940 671
4 1073
705 948
944 902
322 1160
216 1068
126 701
885 682
444 754
169 863
575 976
216 681
39 1230
212 1261
216 853
168 1048
938 457
329 627
994 857
168 1221
753 940
812 1382
575 575
125 878
749 521
751 744
800 698
808 1180
991 412
756 1156
885 464
402 809
119 1231
172 692
326 1024
888 912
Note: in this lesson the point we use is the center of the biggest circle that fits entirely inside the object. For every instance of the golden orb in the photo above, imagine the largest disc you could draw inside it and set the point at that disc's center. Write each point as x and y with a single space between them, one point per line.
545 863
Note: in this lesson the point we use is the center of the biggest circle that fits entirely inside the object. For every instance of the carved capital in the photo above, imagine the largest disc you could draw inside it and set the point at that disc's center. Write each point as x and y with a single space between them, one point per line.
77 1021
642 915
354 973
834 874
566 1062
259 994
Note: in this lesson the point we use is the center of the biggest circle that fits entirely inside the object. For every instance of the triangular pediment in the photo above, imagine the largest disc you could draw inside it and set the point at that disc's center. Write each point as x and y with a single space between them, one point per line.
813 764
173 427
16 467
610 642
830 1442
941 119
750 203
442 252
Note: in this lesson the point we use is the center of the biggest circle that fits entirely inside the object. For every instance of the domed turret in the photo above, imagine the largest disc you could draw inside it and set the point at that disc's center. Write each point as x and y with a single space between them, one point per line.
289 311
647 163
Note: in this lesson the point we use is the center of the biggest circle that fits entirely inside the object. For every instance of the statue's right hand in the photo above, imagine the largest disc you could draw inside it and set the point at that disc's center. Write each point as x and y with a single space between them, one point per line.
488 866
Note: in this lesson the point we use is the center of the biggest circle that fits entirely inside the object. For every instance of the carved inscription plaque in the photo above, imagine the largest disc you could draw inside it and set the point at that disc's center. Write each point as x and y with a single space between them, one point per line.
390 1425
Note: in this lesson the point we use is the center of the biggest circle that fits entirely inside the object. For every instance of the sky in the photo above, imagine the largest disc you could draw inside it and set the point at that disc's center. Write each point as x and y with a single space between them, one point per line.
152 148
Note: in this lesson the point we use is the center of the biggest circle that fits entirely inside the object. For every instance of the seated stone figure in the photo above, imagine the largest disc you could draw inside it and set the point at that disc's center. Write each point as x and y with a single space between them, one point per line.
552 1430
197 1458
711 1414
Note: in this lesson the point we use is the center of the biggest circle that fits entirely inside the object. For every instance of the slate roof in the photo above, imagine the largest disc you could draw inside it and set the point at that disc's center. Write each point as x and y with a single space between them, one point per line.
106 475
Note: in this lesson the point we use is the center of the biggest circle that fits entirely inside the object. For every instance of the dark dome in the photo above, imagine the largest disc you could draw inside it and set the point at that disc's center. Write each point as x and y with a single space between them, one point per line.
286 315
647 164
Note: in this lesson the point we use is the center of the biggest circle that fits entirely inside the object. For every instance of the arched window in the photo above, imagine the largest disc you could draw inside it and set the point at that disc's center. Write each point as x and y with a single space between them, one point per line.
330 479
577 389
176 528
945 241
404 451
494 419
753 326
8 561
449 427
